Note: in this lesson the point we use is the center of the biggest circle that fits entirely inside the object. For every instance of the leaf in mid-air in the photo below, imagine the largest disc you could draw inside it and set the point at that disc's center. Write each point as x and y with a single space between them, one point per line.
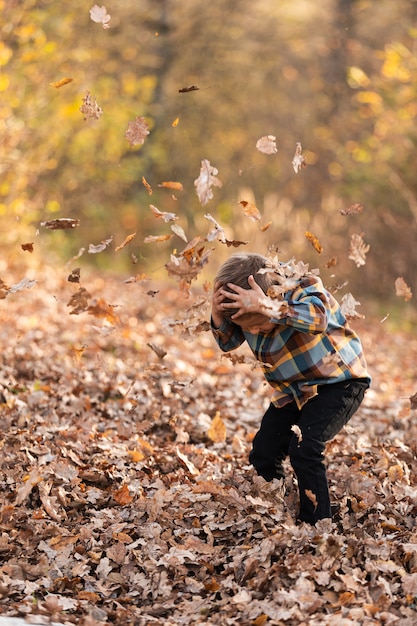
100 16
137 131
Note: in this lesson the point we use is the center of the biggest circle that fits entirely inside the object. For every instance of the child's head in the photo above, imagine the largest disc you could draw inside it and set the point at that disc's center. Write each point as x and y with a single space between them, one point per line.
238 268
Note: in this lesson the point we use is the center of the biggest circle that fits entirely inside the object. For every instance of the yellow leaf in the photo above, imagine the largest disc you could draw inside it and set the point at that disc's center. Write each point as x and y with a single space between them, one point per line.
61 83
395 473
176 122
314 241
217 431
136 455
122 495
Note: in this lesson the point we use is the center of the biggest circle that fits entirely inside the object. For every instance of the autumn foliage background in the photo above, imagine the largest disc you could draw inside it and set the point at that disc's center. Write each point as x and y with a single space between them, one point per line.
139 150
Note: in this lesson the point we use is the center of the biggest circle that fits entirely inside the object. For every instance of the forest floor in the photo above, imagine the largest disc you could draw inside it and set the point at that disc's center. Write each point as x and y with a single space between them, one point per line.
126 496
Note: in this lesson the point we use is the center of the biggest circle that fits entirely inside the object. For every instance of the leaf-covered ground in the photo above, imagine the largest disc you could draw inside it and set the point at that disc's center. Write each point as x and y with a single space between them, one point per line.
126 494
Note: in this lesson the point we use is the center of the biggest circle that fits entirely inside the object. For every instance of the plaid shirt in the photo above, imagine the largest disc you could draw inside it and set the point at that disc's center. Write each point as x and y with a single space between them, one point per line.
311 345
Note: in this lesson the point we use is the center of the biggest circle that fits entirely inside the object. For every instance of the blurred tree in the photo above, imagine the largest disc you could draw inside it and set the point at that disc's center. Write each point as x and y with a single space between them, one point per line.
309 72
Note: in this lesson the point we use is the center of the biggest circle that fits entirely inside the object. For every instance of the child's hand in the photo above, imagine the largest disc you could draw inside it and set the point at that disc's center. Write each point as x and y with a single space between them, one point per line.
217 310
247 301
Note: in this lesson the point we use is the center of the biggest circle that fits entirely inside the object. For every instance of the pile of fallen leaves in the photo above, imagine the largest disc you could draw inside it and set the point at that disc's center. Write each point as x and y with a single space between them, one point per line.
126 494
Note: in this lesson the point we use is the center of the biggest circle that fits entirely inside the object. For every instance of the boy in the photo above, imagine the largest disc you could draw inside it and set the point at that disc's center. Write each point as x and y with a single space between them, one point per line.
310 356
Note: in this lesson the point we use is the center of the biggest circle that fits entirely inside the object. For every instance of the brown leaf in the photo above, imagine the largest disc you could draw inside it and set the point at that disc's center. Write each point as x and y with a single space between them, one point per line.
95 249
125 242
74 277
353 208
298 160
312 497
61 223
206 180
157 238
188 89
79 301
122 495
358 250
402 289
217 431
413 401
164 215
137 132
171 184
314 241
117 552
90 108
27 247
250 210
147 186
267 144
60 83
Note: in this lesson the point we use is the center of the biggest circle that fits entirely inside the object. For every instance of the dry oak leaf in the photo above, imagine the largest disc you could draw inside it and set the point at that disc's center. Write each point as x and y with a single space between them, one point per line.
125 242
100 16
62 223
358 250
206 180
61 82
298 160
94 249
348 306
90 108
122 495
353 208
27 247
157 238
267 144
164 215
79 301
171 184
250 210
147 186
314 241
402 289
217 431
137 131
75 275
413 402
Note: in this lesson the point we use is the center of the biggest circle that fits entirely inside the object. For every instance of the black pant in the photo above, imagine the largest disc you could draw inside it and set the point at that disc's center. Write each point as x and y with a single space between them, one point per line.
319 420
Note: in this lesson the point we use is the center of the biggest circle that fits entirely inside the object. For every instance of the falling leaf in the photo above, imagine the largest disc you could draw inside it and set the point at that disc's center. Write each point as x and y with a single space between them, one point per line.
298 161
61 223
100 16
265 227
74 277
332 262
179 231
413 401
170 184
297 432
348 306
314 241
100 308
188 89
206 180
137 131
160 352
157 238
402 289
217 431
353 208
125 242
358 250
217 231
312 497
267 144
95 249
164 215
175 122
90 108
250 210
234 243
79 301
60 83
27 247
25 283
147 186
